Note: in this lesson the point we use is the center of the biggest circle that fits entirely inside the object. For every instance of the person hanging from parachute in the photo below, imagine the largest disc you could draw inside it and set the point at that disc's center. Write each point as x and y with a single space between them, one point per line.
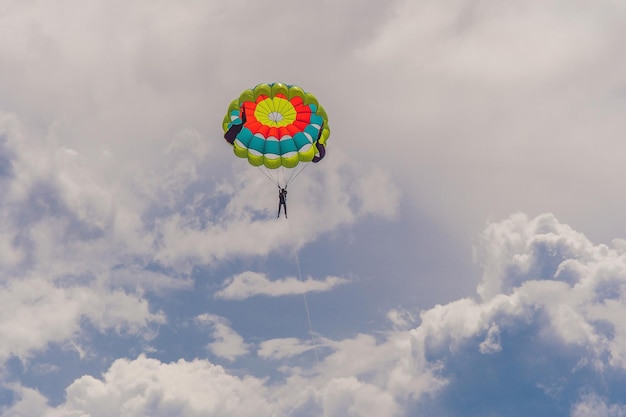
282 201
279 128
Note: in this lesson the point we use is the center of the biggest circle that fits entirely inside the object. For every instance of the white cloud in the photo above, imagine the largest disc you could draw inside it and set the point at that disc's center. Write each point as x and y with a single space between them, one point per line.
351 397
542 263
249 284
591 405
400 319
277 349
492 341
227 343
542 279
146 386
34 312
514 251
392 366
29 403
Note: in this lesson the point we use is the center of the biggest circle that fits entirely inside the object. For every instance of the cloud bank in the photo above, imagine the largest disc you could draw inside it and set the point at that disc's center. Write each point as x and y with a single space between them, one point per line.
547 325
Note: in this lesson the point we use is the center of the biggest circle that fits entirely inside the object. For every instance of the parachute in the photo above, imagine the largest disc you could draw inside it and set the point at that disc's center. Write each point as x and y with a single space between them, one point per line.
279 128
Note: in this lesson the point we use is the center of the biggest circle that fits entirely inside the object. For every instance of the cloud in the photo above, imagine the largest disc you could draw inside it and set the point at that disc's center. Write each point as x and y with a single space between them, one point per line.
250 284
35 313
120 142
29 403
548 314
579 286
465 31
400 319
552 329
491 344
592 405
341 192
227 343
277 349
351 397
515 91
146 386
84 222
546 339
116 187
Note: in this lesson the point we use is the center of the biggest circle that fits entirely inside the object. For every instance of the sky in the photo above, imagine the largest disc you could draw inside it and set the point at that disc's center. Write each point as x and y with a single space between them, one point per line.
460 251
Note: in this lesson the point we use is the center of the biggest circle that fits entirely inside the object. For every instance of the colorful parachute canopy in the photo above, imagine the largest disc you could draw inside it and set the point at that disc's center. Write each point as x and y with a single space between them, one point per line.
277 125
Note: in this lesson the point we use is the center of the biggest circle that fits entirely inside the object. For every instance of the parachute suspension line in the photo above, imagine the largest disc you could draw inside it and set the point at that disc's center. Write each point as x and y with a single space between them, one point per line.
274 174
295 174
306 304
268 174
282 176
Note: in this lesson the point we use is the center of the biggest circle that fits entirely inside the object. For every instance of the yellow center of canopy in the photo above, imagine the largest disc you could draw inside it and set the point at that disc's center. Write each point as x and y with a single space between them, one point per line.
275 112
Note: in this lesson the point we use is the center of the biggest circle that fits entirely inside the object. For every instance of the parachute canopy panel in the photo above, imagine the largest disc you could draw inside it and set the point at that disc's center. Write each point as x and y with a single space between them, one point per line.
277 125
